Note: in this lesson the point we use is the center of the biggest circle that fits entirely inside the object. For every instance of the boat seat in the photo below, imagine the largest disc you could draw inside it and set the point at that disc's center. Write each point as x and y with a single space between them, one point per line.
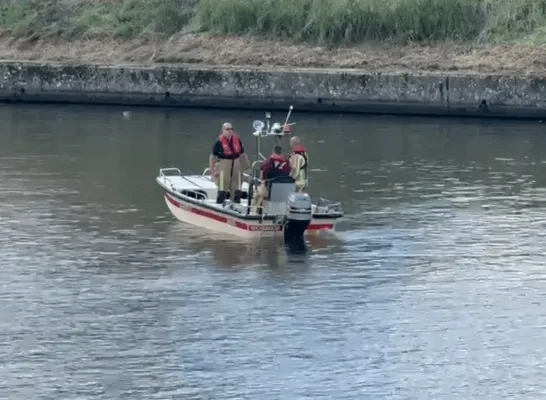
280 188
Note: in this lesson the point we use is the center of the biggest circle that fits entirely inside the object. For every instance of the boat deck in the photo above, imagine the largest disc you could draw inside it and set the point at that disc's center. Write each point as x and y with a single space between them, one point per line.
202 190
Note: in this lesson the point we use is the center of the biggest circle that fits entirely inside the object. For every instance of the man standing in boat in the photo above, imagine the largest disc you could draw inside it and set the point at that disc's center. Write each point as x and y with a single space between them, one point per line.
227 161
275 166
298 163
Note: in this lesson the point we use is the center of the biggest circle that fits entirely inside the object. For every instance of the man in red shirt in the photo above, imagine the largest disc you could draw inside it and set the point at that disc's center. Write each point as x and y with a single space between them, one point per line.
276 165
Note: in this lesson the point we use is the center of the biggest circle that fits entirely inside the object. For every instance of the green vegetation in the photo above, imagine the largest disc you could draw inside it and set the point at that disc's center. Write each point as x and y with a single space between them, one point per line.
345 21
329 22
353 21
95 18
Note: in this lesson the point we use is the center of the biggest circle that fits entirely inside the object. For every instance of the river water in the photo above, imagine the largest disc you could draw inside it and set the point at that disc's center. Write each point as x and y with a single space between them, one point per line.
431 289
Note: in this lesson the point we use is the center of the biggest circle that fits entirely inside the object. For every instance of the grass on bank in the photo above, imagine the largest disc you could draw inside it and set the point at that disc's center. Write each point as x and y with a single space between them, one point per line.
95 18
351 21
332 22
345 21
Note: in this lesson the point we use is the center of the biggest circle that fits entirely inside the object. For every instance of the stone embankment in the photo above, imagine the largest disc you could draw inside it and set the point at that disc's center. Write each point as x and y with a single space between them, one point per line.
306 88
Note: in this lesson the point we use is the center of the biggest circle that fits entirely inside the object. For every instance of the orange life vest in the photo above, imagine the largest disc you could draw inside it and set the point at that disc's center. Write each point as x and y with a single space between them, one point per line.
231 148
301 151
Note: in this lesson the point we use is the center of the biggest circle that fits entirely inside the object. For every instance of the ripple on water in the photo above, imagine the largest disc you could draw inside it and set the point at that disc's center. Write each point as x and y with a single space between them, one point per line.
432 289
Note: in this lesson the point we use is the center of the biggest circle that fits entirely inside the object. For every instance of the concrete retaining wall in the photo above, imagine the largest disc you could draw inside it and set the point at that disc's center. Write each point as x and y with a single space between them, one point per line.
306 89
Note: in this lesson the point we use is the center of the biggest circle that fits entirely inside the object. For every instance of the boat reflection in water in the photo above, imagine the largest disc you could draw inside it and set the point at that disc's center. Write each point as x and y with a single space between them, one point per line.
229 251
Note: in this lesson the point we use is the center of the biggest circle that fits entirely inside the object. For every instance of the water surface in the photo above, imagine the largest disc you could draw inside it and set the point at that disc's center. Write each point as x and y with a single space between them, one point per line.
433 287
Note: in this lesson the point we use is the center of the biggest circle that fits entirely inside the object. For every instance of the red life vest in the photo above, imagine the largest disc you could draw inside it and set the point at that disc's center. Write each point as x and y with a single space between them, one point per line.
301 151
231 148
276 165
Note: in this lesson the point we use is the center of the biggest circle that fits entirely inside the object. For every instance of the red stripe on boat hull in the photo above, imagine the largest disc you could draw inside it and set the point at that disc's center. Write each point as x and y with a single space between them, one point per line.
241 225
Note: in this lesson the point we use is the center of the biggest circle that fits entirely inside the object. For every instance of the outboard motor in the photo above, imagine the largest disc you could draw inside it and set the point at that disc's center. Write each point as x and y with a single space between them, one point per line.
296 220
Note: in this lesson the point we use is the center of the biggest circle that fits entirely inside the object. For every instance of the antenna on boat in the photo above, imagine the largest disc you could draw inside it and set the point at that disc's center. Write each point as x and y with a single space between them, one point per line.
288 116
268 119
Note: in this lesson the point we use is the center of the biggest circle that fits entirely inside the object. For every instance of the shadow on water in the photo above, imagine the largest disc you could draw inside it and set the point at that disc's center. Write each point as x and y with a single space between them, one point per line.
234 253
270 254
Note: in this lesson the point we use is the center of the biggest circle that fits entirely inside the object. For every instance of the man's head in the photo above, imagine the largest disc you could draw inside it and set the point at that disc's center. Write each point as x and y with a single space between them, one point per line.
227 129
294 141
277 150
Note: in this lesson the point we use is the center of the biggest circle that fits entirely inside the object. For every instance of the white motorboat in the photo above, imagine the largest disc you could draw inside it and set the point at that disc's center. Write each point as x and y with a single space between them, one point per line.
195 199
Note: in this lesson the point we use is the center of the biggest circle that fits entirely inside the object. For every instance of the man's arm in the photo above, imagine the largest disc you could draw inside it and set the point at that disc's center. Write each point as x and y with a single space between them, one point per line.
245 162
212 164
293 165
263 169
216 151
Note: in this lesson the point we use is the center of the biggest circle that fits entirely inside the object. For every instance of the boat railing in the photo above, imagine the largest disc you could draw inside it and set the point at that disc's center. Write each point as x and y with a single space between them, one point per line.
165 176
165 173
251 177
257 162
172 169
329 205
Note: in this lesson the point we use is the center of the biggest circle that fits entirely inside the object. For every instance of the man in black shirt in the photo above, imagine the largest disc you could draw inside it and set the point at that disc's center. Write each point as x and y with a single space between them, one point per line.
227 160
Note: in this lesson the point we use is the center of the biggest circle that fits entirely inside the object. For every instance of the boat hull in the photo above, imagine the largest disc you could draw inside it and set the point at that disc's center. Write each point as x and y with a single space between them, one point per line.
217 221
